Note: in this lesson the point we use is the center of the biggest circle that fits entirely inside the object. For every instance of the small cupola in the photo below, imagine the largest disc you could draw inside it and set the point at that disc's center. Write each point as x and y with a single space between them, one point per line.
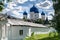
25 13
42 13
34 9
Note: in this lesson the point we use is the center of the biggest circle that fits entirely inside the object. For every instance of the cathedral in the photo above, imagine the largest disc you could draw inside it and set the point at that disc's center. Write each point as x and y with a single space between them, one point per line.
17 29
15 7
34 14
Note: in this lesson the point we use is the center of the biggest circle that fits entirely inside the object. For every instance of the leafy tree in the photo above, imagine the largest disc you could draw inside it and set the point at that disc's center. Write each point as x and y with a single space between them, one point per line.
39 21
46 21
56 17
1 6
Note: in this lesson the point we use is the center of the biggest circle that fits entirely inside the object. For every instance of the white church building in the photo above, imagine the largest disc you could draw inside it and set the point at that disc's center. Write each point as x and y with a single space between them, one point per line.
34 14
17 29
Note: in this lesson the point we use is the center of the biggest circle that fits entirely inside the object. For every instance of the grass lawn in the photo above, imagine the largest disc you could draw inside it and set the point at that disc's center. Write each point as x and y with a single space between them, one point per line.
46 37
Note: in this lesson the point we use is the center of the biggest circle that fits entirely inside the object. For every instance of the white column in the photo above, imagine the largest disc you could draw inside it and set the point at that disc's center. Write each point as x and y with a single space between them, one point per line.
29 31
7 27
4 33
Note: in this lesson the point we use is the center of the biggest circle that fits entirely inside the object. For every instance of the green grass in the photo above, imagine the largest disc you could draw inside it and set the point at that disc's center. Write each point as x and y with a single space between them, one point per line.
46 37
41 36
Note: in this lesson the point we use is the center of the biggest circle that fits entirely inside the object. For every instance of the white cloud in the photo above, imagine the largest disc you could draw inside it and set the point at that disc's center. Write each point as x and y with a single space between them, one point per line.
21 1
51 13
20 9
6 10
39 15
18 16
11 5
32 0
45 4
50 17
15 13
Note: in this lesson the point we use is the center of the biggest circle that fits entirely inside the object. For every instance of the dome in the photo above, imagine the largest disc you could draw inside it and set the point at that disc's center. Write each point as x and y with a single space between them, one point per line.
42 13
34 9
25 13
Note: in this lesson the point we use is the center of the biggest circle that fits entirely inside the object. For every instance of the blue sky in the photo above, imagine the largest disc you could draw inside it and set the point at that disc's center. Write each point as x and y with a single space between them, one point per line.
16 8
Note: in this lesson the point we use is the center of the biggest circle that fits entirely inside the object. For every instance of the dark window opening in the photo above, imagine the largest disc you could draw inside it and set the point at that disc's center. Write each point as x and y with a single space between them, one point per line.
21 32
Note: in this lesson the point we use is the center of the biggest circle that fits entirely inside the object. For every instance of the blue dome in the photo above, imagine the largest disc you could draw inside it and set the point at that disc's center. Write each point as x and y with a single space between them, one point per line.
34 9
25 13
42 13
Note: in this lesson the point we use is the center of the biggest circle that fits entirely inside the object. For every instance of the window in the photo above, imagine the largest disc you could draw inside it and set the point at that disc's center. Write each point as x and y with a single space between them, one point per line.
21 32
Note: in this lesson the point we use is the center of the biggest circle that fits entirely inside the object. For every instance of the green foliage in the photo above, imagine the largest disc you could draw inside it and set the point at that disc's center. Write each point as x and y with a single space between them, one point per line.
44 37
24 19
1 3
32 34
1 6
55 23
56 6
39 21
56 18
31 37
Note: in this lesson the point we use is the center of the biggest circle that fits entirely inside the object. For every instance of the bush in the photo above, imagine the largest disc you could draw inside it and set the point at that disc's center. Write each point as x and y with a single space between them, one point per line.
31 37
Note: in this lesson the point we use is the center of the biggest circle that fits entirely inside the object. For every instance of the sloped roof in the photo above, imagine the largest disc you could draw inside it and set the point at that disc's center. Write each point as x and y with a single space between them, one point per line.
24 23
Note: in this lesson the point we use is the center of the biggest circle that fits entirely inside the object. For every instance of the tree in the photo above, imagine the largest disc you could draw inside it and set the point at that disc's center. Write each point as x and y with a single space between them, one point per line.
1 6
39 21
56 17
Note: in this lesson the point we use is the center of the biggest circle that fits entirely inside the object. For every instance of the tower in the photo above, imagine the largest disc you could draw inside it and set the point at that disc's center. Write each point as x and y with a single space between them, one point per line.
43 16
34 13
25 15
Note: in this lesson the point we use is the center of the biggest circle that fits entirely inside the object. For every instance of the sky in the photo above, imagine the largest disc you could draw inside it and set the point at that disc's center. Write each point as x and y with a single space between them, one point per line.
16 8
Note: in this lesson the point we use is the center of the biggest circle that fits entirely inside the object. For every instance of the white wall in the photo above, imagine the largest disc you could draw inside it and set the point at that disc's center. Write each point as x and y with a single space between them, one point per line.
25 16
40 30
31 15
43 17
34 16
14 33
0 32
37 15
